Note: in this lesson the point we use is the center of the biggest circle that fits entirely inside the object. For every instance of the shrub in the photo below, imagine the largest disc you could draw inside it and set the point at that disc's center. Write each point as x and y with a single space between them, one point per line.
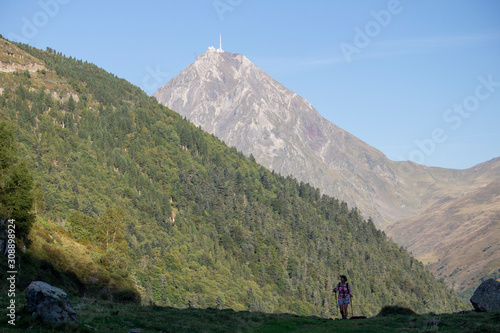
393 310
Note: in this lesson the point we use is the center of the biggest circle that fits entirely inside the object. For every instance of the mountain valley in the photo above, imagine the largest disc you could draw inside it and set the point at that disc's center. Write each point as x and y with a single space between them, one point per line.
230 97
135 203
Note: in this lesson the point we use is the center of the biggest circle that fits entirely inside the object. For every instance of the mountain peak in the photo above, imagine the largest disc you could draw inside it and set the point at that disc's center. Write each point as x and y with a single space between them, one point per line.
221 60
227 95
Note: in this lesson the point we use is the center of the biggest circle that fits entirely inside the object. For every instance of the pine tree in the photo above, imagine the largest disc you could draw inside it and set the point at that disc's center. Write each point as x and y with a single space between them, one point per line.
16 182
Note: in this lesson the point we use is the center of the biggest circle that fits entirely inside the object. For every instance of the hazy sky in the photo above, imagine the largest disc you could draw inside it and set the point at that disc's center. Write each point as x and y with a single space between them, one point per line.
417 79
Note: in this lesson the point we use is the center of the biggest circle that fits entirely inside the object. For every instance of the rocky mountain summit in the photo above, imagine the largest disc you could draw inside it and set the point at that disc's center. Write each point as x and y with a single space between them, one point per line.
227 95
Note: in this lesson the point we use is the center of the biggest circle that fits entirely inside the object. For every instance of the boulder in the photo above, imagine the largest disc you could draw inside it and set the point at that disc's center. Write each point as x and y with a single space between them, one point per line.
49 303
486 298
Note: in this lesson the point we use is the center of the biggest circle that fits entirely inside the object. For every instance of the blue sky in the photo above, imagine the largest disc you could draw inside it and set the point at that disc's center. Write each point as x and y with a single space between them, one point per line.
416 79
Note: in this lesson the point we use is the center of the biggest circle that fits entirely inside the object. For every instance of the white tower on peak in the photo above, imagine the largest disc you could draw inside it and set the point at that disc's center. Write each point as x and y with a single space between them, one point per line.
213 49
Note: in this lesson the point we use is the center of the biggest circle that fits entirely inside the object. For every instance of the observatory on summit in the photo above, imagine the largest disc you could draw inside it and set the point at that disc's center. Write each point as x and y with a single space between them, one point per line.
211 48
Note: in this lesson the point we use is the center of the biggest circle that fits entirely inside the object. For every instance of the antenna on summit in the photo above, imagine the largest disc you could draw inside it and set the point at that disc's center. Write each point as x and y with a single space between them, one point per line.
213 49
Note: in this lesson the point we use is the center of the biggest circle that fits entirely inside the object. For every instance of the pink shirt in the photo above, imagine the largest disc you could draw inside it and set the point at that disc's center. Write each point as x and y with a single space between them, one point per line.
344 290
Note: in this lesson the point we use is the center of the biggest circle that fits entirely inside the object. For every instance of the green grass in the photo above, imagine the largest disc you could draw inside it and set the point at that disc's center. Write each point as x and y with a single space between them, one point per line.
106 316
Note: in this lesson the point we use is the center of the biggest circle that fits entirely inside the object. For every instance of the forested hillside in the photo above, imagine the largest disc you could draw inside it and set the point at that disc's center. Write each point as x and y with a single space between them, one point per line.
184 220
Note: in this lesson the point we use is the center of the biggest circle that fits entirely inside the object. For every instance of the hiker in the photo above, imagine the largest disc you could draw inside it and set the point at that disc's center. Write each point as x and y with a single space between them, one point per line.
345 295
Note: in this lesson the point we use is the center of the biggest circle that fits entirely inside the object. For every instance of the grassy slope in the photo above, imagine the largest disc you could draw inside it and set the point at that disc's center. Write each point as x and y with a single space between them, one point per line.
105 316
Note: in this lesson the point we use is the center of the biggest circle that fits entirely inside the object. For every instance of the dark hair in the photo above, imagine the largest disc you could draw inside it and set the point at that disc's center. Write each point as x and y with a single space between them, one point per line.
343 276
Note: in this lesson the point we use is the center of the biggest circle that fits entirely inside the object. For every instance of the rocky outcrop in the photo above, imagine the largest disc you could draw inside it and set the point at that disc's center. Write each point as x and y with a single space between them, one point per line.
12 59
49 303
14 67
486 298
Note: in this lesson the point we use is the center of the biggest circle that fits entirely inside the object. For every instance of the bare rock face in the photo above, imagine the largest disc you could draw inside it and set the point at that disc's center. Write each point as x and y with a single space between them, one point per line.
230 97
49 303
486 298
